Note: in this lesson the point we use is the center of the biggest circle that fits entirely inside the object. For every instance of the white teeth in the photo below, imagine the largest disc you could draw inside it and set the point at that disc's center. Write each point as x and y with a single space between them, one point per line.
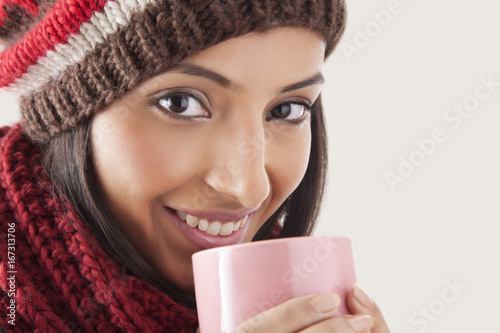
203 225
243 221
226 229
182 215
214 228
192 221
236 226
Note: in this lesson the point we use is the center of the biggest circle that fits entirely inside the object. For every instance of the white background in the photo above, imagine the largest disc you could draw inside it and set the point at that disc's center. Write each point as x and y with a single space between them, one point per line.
440 223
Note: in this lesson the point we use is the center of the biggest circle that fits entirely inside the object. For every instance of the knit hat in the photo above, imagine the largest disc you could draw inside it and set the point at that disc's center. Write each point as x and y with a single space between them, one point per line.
69 59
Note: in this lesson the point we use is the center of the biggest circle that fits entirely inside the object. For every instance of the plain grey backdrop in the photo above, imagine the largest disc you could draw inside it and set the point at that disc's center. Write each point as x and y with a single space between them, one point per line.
412 102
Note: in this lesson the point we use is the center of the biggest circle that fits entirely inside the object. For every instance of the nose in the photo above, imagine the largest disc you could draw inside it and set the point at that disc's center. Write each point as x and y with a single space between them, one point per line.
238 164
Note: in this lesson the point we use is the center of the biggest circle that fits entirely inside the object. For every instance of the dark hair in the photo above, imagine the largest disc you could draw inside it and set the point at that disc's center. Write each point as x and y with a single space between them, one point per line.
68 161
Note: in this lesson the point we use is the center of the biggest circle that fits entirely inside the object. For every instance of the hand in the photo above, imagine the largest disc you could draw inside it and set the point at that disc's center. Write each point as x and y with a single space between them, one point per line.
359 303
310 314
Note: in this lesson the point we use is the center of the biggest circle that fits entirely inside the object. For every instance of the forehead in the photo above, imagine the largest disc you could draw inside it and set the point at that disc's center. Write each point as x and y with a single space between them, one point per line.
274 58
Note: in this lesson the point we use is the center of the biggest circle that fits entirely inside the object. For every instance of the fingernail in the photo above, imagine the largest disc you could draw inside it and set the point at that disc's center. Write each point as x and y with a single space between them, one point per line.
325 303
361 324
362 297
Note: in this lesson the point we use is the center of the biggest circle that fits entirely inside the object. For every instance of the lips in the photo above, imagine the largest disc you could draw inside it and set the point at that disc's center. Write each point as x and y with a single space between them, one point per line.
210 229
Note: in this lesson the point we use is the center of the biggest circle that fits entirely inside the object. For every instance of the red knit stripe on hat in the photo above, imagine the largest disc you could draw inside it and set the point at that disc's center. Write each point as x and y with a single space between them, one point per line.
29 5
62 21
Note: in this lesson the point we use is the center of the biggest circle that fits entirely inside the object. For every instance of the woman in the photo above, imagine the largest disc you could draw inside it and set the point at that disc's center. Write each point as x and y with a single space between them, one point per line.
152 130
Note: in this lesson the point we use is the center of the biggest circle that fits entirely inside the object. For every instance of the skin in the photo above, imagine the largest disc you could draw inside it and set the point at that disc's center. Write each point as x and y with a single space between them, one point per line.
227 152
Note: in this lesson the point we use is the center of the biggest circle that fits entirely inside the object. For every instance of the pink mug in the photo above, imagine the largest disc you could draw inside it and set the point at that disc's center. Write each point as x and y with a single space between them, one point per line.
235 283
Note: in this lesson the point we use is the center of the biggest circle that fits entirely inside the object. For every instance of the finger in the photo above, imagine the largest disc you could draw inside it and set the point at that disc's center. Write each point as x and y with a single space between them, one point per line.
293 315
198 330
347 324
359 302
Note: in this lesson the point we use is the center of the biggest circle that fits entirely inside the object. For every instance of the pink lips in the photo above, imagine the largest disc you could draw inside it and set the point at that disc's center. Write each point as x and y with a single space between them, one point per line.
203 240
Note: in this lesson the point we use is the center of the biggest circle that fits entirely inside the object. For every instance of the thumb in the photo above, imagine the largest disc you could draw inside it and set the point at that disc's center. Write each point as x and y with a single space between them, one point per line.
359 302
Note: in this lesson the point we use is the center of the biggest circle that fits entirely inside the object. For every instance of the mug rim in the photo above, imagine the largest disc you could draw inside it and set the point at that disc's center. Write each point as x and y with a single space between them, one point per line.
267 242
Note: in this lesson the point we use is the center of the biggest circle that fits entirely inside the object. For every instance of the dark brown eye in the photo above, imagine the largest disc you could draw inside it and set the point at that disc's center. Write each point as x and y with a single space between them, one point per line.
282 111
288 111
176 103
182 104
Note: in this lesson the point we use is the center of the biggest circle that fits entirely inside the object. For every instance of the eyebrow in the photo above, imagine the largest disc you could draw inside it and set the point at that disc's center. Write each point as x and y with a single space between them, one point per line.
195 70
315 79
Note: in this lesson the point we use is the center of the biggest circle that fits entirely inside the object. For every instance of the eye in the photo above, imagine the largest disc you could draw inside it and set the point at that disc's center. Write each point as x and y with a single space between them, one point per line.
290 111
182 104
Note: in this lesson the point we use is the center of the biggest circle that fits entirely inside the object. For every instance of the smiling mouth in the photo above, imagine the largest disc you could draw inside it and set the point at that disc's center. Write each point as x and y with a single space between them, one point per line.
214 228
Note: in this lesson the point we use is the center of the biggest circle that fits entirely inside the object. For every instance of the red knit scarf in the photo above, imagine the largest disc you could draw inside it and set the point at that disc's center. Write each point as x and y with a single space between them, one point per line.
64 281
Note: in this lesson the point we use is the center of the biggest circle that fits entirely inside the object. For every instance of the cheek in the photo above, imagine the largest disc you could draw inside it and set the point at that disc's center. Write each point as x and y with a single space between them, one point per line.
288 159
133 162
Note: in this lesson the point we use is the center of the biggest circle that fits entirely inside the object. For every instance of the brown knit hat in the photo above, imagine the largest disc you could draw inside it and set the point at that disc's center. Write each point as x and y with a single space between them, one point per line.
69 59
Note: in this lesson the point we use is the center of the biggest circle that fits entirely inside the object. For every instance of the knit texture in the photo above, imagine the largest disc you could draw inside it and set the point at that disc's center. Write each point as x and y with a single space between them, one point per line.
72 58
65 282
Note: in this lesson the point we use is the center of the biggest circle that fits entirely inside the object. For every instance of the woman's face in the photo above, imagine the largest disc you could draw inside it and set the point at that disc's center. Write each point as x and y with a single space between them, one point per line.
202 155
